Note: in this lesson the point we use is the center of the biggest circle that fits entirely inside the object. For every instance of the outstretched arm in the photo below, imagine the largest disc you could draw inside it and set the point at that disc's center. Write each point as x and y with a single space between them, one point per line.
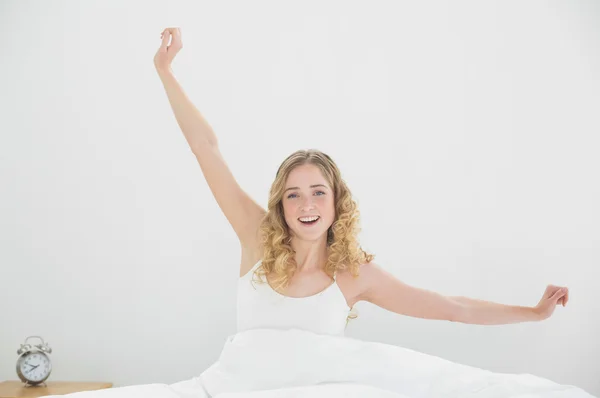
386 291
482 312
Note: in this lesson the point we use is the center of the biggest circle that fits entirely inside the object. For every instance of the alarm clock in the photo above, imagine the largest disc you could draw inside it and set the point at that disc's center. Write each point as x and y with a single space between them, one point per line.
34 365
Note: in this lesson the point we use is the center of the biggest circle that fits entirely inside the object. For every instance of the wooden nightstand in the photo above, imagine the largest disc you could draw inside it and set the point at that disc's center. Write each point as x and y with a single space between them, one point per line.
16 389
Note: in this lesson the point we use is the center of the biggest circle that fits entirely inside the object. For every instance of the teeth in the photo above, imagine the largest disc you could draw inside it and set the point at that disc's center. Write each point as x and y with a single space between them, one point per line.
308 218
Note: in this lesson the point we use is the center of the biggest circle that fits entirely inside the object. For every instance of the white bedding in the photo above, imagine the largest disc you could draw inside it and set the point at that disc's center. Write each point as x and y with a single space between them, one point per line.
269 363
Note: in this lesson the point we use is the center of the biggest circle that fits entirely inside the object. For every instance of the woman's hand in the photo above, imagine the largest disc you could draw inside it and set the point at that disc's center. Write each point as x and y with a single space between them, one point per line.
553 296
165 54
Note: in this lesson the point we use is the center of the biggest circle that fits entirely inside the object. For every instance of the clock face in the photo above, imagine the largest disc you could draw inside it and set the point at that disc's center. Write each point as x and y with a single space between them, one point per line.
35 366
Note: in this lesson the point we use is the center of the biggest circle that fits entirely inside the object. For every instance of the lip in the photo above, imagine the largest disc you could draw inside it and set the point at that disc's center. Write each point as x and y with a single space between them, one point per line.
309 225
314 215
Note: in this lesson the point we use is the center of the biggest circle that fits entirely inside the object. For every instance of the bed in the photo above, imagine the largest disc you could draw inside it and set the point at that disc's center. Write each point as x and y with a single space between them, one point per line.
293 363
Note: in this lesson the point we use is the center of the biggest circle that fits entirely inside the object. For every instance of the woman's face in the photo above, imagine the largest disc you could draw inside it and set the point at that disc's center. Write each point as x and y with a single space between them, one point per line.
308 194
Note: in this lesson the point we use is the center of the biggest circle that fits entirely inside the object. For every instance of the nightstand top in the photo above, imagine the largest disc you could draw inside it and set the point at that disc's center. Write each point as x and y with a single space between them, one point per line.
17 389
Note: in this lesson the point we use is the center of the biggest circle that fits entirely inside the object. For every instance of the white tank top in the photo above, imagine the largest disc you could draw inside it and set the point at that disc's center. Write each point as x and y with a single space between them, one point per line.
260 306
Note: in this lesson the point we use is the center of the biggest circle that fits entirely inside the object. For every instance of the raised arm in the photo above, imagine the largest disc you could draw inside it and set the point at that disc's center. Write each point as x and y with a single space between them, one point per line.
195 128
242 212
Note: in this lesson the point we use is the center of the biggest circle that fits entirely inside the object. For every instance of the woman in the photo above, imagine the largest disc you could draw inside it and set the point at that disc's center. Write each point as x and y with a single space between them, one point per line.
305 243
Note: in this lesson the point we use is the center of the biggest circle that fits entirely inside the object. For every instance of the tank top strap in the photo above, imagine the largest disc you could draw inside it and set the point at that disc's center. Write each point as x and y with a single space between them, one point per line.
248 275
255 267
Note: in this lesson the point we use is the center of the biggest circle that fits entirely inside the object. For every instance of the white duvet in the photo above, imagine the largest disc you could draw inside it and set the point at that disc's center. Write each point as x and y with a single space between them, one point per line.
269 363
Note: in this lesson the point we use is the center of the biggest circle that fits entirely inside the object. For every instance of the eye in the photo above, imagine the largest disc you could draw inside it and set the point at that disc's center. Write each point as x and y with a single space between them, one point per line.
290 195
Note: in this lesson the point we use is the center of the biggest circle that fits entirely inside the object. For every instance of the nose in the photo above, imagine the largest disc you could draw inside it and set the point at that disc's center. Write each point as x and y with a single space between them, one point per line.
307 204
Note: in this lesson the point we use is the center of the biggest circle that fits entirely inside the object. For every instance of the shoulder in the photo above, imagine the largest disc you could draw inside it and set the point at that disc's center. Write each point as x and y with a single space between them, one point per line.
356 286
364 268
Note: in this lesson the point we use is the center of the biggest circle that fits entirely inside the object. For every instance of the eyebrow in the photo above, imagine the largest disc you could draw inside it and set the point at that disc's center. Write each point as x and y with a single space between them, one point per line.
312 186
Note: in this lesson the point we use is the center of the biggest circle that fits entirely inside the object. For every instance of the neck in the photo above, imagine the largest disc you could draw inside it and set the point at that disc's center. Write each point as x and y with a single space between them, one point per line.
310 255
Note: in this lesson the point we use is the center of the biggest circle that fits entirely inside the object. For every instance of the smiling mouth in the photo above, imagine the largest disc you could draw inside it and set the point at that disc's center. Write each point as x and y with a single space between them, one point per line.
310 222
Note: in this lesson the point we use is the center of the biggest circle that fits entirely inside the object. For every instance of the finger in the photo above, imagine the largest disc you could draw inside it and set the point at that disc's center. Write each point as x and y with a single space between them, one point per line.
566 299
562 296
176 37
174 31
557 294
550 290
165 41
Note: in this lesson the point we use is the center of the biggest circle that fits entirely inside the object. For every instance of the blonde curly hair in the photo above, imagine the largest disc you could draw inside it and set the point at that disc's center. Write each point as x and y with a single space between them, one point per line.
344 251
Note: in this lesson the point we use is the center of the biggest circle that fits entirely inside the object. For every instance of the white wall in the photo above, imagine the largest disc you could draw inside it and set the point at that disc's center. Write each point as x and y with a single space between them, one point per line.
468 132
